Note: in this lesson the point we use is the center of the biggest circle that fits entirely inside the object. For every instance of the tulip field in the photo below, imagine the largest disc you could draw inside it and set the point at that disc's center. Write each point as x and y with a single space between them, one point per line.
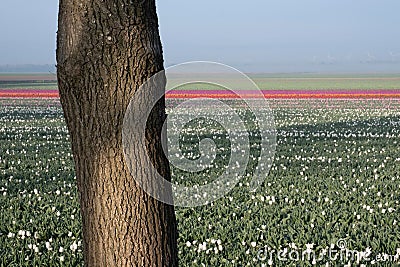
331 197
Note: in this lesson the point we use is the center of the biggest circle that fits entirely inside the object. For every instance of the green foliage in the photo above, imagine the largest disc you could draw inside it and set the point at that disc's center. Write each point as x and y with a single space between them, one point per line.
335 176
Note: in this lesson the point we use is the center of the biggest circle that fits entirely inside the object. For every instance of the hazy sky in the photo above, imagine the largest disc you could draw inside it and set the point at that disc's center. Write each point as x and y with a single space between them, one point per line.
254 35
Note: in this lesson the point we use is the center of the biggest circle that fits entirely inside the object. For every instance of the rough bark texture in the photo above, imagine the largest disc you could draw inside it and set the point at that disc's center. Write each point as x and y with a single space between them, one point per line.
105 50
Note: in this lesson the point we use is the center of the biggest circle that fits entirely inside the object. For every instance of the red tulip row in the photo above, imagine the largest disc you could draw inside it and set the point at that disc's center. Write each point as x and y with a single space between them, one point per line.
225 94
27 93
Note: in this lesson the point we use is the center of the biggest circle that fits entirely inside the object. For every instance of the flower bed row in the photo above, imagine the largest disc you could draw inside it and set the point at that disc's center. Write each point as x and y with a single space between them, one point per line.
224 94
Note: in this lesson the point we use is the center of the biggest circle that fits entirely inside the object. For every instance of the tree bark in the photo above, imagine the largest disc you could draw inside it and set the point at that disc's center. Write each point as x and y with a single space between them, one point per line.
105 51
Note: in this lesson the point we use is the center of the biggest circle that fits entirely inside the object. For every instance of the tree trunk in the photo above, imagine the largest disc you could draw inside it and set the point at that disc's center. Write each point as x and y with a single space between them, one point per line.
105 51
